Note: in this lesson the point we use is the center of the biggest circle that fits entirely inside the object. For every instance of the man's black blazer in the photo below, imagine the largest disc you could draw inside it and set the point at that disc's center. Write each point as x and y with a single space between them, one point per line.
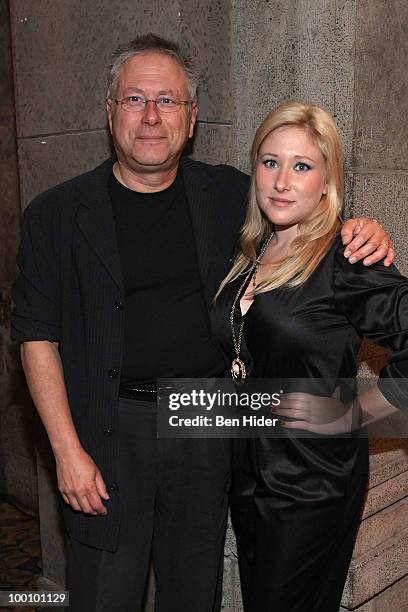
69 291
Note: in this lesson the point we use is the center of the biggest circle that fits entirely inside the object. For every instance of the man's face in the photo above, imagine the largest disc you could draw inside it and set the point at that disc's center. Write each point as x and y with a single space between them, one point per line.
149 141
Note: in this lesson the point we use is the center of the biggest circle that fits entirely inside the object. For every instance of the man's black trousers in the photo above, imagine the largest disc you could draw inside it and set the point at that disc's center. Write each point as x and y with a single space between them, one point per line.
174 496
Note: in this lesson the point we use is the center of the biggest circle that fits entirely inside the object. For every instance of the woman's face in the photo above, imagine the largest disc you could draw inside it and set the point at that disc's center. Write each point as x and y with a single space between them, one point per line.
290 176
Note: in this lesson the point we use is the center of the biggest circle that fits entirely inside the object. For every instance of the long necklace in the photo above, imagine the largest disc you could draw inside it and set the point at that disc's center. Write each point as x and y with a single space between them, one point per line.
238 369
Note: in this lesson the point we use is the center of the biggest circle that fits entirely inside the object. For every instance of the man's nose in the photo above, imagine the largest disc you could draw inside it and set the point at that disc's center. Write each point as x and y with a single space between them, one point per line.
151 113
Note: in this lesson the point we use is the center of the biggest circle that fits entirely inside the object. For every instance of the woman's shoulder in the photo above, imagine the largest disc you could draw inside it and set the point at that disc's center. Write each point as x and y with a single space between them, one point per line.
358 274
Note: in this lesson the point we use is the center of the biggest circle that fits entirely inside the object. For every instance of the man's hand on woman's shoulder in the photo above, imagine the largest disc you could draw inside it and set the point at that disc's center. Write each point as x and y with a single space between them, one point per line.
366 239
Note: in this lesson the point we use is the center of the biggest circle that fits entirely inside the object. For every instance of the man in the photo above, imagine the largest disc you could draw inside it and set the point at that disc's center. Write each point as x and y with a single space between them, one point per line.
118 268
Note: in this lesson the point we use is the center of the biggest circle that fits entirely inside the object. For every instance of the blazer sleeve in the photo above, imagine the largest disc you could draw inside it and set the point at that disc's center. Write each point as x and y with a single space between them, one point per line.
36 292
375 301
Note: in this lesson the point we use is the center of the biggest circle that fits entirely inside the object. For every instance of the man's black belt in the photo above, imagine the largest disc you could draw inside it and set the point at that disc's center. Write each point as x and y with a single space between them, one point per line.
139 393
146 392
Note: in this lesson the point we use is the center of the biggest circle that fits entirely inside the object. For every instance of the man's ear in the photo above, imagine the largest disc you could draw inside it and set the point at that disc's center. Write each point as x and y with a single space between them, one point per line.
193 118
109 110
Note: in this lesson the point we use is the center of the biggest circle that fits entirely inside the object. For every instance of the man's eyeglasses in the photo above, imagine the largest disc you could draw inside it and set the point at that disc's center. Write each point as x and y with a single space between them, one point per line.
137 104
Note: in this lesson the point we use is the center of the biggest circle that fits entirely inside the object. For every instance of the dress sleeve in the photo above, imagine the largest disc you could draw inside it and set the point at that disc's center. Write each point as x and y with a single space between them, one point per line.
375 301
36 291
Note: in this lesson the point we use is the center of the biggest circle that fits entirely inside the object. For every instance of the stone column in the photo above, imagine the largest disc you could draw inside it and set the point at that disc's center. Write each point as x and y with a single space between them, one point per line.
18 481
349 56
378 577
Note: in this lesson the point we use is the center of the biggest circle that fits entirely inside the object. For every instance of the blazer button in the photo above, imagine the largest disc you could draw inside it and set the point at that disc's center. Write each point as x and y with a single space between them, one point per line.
113 373
108 432
112 486
119 306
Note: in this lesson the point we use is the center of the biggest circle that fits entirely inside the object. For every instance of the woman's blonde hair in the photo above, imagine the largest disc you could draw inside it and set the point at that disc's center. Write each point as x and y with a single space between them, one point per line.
316 233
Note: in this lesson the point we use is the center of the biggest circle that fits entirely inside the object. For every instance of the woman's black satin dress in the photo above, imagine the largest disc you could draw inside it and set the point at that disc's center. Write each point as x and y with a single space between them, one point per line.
296 502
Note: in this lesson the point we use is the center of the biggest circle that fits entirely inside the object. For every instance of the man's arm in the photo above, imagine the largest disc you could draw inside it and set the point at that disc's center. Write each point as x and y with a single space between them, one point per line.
366 239
79 480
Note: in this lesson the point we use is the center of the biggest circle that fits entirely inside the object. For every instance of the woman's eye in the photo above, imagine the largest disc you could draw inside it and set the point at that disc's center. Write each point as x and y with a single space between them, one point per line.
302 167
270 163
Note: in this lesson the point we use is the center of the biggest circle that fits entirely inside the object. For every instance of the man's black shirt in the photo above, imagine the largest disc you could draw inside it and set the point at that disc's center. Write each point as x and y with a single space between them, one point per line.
166 321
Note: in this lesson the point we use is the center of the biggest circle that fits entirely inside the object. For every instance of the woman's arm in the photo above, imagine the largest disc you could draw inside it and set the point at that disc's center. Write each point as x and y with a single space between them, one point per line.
375 302
329 416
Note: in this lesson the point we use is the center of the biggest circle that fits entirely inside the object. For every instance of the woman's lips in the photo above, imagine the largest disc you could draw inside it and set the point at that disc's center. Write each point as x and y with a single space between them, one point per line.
280 202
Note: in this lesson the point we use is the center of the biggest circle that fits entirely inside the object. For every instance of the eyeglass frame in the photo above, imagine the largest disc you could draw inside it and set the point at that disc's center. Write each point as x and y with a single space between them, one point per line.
145 102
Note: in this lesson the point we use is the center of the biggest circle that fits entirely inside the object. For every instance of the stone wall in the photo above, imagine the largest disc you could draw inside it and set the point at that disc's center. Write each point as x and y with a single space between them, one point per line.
378 179
380 126
61 51
18 482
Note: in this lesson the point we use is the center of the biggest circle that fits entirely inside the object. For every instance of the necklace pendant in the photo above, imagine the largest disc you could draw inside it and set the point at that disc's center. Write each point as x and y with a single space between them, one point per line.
238 370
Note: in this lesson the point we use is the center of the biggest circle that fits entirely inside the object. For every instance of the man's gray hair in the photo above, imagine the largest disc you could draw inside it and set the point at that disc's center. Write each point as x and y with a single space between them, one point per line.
150 43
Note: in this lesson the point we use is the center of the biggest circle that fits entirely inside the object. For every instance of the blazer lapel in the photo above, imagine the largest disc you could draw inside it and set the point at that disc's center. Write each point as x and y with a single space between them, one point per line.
96 221
203 202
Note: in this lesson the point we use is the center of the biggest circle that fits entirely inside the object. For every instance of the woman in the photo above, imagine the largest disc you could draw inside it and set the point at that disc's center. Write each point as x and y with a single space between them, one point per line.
292 307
